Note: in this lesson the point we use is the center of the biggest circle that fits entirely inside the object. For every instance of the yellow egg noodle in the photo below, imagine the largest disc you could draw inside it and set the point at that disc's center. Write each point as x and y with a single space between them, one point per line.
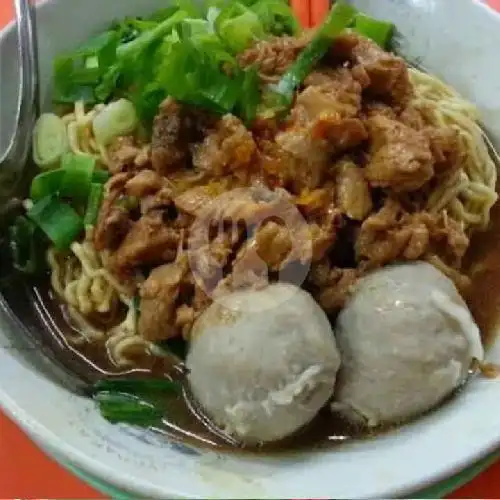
82 281
469 193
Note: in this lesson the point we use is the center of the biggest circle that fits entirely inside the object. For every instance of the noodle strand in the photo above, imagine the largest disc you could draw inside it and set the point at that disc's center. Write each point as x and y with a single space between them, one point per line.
470 197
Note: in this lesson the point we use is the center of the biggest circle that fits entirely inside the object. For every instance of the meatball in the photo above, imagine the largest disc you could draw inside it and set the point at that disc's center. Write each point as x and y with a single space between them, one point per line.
407 340
263 363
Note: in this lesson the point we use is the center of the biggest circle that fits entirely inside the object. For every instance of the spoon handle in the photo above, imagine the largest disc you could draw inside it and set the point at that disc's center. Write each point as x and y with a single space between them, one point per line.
28 102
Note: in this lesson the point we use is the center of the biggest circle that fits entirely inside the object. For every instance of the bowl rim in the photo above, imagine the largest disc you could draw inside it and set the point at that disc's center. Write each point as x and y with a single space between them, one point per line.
70 456
99 469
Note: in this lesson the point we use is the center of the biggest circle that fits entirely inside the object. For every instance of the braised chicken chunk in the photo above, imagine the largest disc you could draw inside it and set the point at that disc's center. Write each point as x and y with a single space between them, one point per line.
400 157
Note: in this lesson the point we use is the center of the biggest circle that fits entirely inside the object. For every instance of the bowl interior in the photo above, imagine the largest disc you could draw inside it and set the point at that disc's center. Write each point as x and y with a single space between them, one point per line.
143 464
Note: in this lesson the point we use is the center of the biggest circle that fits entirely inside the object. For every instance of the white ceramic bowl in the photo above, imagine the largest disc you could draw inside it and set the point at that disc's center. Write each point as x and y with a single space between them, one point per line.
458 40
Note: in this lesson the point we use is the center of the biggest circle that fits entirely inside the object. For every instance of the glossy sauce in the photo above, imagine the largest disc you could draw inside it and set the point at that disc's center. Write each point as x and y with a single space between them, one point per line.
184 422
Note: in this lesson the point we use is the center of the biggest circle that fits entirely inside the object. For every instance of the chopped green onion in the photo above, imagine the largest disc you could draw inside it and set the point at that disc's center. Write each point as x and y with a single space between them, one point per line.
204 83
198 26
102 47
57 220
50 140
277 16
120 51
238 27
280 96
75 78
160 15
101 176
379 31
116 119
250 92
133 48
136 386
127 408
93 204
92 62
46 183
67 88
24 246
79 170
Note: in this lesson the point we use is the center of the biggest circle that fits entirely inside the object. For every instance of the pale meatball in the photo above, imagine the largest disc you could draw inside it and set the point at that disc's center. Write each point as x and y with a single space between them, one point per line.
407 340
262 367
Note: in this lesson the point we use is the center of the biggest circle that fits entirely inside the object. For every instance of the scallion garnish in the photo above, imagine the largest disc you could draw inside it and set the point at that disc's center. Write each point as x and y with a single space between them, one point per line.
93 204
127 409
238 26
132 401
100 176
57 220
50 141
112 53
277 17
280 97
378 31
64 201
78 174
145 58
23 244
48 183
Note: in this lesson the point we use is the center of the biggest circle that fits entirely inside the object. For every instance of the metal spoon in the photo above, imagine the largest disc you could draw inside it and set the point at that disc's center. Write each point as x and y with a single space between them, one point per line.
13 171
14 160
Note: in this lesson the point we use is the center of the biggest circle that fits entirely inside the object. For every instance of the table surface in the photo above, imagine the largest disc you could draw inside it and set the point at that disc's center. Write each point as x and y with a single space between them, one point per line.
19 456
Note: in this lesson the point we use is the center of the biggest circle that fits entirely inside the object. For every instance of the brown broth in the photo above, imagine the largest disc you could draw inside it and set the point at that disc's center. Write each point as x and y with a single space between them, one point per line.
183 422
186 424
483 267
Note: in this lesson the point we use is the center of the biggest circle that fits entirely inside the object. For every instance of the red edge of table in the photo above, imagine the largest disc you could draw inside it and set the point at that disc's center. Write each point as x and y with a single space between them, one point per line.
26 472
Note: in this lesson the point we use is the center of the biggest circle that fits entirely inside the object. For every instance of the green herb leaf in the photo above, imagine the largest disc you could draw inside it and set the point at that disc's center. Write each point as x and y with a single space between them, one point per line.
78 174
137 386
277 17
57 220
238 26
250 95
135 47
380 32
95 71
127 408
49 183
24 244
75 78
279 98
93 204
66 89
100 176
144 58
46 184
